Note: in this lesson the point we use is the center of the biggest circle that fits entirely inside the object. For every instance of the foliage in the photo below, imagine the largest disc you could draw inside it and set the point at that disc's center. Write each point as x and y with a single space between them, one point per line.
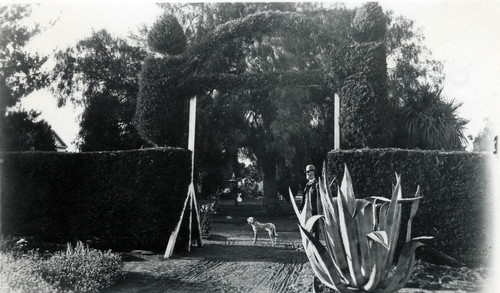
366 115
101 72
365 112
21 275
175 76
82 269
361 237
20 72
412 75
218 137
454 185
158 98
369 23
206 213
484 141
166 36
119 200
21 132
410 62
78 269
429 122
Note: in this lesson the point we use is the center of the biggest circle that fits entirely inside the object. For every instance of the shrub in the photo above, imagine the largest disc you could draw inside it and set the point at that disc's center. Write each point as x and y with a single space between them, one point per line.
21 275
78 269
369 23
82 269
167 36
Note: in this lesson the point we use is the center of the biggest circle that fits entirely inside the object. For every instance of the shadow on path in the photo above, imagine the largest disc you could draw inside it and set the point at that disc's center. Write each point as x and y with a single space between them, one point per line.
246 253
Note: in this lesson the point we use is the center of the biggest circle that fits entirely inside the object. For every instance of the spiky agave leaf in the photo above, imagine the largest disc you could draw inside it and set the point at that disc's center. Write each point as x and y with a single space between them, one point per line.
414 208
306 212
404 267
349 235
364 223
294 205
303 215
311 221
377 261
380 237
348 192
331 232
393 221
326 270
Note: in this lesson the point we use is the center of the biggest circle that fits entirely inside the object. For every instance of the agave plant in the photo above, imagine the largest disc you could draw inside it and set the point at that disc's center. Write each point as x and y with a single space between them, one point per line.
360 238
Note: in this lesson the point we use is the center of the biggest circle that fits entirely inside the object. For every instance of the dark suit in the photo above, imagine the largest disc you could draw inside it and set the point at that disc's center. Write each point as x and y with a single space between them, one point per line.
312 189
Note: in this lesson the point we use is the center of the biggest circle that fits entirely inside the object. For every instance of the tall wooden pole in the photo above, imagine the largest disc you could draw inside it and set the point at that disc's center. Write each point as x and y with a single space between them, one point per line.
336 113
191 195
191 140
192 131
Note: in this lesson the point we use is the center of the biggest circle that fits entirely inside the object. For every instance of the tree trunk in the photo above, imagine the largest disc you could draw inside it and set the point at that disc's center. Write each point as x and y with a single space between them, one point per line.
271 204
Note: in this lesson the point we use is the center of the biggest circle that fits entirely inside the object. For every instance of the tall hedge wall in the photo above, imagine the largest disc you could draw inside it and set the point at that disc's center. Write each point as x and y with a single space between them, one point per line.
454 186
120 200
362 69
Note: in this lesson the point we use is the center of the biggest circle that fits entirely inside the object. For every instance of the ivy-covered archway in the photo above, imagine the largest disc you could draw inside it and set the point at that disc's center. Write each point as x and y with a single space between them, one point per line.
177 77
357 71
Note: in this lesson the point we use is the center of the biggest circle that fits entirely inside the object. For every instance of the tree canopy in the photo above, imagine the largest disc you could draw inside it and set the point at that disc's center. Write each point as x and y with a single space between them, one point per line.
20 75
22 131
101 72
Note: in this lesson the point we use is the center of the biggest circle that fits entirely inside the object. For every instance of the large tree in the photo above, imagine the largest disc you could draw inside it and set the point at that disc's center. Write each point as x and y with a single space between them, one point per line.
22 131
425 118
101 74
410 62
20 75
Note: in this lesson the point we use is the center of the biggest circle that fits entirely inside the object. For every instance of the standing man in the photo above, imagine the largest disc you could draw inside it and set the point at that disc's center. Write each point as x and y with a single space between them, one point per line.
311 190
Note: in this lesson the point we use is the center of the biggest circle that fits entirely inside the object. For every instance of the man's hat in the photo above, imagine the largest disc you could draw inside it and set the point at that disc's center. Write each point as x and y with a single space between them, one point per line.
310 168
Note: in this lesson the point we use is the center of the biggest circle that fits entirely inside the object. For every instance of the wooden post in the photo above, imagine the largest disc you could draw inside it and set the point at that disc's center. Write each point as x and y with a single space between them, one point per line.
192 131
191 195
336 139
173 235
191 144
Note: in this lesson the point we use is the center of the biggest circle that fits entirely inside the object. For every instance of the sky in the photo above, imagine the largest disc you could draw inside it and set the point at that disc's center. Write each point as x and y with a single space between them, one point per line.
464 35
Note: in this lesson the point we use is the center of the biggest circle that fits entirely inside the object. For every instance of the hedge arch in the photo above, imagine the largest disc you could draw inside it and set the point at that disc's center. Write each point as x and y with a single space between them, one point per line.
172 79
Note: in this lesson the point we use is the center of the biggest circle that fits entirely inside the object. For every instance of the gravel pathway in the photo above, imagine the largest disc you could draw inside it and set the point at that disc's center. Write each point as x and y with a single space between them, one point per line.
229 262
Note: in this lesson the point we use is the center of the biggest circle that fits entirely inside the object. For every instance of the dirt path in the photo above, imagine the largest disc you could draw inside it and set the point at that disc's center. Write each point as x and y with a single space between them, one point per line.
229 262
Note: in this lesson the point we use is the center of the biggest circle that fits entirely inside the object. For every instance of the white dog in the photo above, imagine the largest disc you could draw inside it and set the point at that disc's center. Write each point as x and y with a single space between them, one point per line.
269 227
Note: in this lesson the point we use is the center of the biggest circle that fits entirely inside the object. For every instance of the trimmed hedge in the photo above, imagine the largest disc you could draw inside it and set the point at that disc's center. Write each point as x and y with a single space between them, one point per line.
361 73
454 186
119 200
